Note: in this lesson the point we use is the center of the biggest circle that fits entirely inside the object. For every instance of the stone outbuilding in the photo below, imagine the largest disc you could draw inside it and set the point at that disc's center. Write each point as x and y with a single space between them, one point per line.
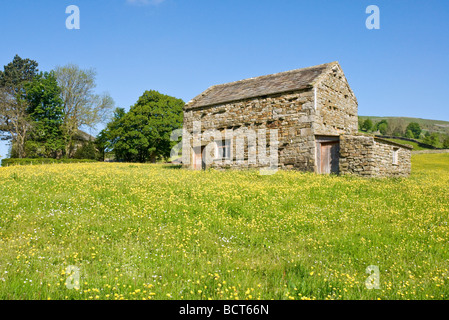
306 119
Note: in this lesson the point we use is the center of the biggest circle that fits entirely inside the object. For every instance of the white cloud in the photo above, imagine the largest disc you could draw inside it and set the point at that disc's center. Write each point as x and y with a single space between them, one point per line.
144 2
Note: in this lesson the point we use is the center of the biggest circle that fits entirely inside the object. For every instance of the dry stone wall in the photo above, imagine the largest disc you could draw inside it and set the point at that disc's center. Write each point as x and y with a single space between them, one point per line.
383 157
372 157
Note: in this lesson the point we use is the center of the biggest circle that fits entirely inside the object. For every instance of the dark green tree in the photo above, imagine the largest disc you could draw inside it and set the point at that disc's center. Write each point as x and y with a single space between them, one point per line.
14 119
143 134
87 151
367 125
415 129
381 126
16 73
45 108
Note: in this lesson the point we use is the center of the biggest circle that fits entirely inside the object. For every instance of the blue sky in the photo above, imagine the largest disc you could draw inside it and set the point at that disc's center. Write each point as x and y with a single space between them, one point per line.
181 47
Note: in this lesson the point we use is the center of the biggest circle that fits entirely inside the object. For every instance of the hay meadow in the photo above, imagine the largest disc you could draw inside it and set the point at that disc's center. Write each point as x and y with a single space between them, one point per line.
105 231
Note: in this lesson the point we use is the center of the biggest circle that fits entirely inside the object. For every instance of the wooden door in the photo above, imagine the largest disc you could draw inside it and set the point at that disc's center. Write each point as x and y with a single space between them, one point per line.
198 162
329 157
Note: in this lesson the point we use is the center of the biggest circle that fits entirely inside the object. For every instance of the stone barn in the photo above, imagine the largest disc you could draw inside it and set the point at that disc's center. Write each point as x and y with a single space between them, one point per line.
306 119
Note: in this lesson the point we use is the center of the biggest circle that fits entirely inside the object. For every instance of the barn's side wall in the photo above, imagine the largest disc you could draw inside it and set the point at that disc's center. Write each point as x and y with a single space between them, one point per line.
291 113
383 151
370 157
336 105
357 155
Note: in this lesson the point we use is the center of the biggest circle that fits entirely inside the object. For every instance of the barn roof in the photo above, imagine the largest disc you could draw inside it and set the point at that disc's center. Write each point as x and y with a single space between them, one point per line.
292 80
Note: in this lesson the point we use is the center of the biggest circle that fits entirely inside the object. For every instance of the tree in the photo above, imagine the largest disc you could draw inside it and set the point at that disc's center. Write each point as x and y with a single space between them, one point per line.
143 134
14 118
432 139
446 143
396 127
82 107
381 126
87 151
45 108
104 140
409 134
415 129
367 125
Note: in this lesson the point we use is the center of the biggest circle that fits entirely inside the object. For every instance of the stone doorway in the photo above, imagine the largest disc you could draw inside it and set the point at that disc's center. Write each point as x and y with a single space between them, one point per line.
328 155
198 161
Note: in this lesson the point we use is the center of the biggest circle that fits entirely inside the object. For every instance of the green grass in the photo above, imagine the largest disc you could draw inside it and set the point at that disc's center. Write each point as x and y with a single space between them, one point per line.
139 231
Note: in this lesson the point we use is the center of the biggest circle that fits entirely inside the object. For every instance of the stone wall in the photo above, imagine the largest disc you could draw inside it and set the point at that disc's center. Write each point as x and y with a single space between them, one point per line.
336 105
372 157
383 154
290 113
357 155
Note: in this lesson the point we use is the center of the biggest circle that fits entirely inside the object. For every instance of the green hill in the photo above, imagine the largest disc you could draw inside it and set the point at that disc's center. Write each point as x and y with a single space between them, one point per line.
439 126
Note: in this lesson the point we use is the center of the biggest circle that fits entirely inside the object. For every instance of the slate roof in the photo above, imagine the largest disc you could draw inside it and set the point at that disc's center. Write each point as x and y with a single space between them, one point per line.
292 80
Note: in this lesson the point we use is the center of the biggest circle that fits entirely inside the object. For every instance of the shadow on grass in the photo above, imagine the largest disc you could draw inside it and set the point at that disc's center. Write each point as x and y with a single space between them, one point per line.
172 166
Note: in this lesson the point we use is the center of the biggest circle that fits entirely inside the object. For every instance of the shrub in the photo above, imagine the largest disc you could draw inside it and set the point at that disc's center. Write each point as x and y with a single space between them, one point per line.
24 161
87 151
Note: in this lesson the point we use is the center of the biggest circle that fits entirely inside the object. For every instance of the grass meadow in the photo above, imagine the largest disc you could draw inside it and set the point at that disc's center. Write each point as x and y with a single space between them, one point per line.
141 231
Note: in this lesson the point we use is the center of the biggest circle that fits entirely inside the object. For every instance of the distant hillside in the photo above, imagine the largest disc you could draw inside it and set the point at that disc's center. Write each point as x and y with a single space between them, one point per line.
426 124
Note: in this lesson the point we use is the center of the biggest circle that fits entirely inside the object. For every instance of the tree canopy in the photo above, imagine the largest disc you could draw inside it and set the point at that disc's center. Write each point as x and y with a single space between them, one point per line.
45 108
143 133
42 113
14 118
82 106
367 125
415 129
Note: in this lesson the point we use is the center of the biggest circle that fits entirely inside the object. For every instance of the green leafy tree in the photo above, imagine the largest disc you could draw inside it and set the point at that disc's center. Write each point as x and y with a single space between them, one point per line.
87 151
45 108
367 125
415 129
446 143
383 128
143 134
107 137
432 139
409 134
14 118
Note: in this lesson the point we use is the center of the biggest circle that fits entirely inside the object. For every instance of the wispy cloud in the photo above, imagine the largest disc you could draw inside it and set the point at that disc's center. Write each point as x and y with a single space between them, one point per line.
144 2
